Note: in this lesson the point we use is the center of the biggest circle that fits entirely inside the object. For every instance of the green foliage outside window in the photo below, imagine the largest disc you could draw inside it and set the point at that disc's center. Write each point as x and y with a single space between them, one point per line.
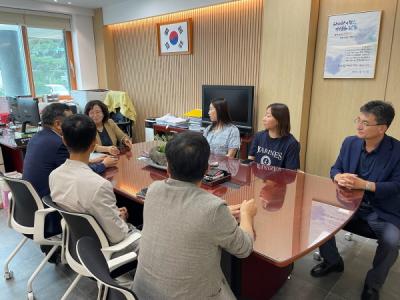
49 60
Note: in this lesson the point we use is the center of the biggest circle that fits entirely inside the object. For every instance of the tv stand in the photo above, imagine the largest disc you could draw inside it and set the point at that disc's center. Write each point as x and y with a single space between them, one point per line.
245 139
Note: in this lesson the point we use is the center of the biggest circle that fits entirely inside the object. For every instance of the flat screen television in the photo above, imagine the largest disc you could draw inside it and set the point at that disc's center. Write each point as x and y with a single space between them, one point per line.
240 104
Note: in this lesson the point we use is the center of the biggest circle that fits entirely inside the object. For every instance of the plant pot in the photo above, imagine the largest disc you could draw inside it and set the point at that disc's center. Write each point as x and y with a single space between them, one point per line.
158 157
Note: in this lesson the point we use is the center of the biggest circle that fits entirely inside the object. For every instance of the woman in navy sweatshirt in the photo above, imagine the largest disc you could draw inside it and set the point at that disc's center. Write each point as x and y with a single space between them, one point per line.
276 146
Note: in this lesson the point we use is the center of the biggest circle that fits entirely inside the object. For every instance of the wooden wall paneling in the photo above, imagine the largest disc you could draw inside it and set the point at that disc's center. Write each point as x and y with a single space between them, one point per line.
105 56
393 83
287 59
226 50
98 26
336 102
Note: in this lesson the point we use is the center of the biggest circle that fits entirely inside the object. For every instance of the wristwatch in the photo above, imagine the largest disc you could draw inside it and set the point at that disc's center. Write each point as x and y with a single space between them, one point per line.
368 186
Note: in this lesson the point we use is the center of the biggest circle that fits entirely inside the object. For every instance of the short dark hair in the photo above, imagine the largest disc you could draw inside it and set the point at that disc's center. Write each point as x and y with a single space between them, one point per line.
103 107
187 155
383 111
221 107
281 113
53 112
79 132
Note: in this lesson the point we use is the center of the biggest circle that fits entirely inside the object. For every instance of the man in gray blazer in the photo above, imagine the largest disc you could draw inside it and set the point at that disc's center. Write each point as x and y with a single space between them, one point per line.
185 228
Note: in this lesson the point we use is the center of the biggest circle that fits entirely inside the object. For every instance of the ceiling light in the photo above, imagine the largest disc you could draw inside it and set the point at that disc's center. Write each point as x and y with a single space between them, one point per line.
55 0
69 3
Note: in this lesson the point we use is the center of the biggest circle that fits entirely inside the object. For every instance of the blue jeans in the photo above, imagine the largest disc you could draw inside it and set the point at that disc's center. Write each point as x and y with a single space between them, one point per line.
388 239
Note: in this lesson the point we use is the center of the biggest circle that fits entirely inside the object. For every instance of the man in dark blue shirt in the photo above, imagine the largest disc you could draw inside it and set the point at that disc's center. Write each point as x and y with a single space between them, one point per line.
370 161
45 152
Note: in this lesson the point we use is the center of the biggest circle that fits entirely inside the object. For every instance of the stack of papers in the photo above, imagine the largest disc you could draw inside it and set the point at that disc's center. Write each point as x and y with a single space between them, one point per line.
195 124
171 120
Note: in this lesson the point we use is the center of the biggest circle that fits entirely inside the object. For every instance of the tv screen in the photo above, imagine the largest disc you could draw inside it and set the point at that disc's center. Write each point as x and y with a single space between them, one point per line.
240 103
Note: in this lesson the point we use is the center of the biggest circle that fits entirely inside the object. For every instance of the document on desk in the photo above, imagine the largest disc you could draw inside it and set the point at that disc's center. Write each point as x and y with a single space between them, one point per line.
171 120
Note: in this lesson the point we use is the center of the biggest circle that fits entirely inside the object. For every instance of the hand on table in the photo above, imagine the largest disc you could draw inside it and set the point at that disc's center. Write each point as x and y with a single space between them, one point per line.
249 208
127 142
113 150
350 181
235 210
110 161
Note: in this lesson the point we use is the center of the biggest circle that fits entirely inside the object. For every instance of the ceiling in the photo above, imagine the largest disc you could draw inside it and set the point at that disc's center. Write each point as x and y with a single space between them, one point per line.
83 3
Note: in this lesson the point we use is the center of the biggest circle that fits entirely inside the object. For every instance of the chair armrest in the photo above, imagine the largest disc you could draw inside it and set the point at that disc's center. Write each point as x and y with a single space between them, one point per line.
64 229
10 208
40 216
121 260
123 244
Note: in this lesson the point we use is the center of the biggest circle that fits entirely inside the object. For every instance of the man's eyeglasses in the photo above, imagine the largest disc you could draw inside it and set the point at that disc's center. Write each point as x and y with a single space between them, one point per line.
364 123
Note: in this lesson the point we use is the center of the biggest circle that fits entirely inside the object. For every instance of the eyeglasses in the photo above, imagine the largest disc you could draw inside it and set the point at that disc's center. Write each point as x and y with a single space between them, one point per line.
364 123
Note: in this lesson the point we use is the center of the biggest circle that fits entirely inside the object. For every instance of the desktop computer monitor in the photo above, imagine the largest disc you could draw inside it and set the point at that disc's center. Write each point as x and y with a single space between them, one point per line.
12 108
28 112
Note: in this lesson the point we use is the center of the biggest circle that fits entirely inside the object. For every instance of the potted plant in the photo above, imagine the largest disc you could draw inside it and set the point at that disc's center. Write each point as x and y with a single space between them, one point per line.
157 153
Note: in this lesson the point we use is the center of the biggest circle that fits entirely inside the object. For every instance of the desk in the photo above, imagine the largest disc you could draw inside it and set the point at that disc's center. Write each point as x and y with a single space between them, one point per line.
245 140
13 155
297 212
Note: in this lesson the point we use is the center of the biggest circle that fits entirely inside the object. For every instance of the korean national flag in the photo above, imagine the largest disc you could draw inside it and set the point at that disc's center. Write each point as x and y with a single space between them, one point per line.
174 37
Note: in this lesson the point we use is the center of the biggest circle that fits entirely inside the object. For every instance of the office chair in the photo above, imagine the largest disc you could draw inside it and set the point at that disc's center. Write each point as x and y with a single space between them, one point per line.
80 225
93 260
122 122
27 216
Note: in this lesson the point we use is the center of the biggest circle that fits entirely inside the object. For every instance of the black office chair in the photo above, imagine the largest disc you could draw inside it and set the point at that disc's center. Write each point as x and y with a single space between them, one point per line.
122 122
27 216
80 225
93 260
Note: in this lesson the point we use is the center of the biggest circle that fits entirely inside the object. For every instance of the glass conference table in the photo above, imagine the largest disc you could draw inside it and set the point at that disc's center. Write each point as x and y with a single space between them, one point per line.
297 212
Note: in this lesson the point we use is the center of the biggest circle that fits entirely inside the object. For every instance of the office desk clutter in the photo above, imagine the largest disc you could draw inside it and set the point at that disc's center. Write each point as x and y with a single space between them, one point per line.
171 120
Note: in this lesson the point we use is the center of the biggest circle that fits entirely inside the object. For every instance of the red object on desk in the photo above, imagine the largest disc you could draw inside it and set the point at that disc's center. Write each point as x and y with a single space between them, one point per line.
4 117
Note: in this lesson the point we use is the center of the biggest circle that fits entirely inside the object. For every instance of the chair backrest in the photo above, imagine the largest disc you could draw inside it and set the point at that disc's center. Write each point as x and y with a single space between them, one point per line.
93 260
25 201
78 225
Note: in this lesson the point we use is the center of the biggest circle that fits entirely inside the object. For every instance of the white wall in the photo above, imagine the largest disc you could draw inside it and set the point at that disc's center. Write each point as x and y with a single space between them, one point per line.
140 9
84 52
46 7
82 36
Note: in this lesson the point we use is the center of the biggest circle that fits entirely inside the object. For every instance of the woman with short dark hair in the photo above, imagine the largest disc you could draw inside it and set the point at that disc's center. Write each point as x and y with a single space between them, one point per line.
275 145
108 133
222 136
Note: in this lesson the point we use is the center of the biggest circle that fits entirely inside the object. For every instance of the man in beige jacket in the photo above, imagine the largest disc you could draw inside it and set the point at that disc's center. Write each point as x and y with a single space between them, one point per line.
185 229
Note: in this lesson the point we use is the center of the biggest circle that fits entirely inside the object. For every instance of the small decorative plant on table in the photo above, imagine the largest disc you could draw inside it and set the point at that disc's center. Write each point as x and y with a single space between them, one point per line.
157 153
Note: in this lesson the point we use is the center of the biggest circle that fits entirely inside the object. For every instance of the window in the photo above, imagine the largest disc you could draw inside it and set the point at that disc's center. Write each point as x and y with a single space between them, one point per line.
49 61
13 72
